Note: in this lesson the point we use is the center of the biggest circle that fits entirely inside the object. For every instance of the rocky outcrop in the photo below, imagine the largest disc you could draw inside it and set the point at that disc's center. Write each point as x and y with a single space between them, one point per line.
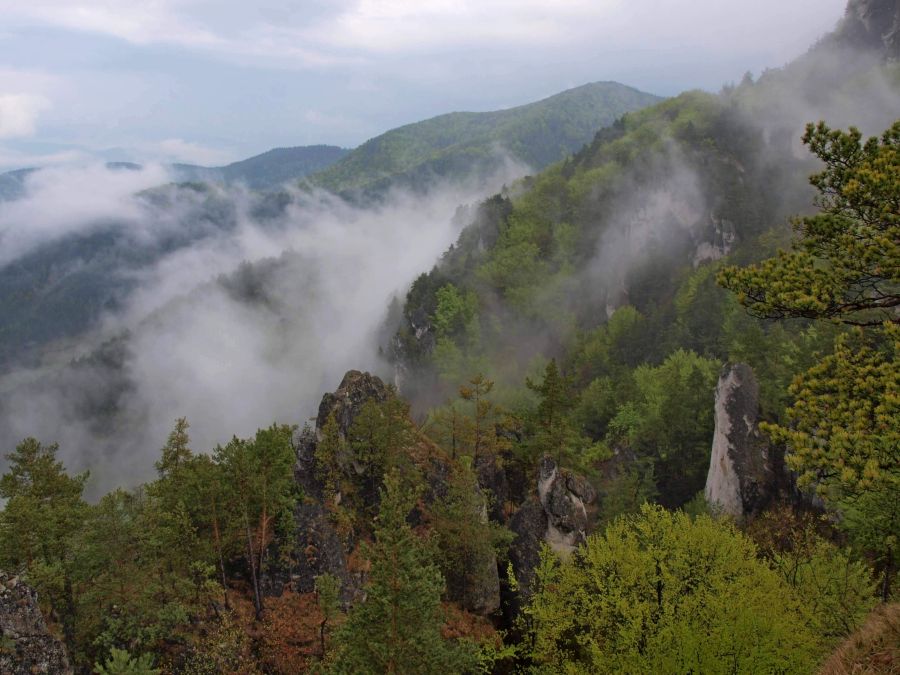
744 472
873 25
558 516
320 548
356 388
529 524
565 497
492 478
26 646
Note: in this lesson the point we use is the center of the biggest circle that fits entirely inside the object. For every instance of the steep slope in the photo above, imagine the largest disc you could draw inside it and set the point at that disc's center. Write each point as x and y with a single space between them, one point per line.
461 143
62 288
269 169
607 262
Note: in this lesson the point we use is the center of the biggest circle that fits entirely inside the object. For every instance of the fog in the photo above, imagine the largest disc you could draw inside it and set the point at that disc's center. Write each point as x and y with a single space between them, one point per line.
246 322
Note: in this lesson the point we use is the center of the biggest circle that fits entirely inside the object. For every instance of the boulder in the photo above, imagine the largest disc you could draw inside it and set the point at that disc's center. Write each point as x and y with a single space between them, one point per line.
565 497
320 550
558 516
744 473
26 646
529 524
355 389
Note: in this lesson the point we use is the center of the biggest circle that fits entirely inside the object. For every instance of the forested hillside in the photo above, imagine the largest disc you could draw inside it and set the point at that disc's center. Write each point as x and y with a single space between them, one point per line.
465 145
268 170
642 416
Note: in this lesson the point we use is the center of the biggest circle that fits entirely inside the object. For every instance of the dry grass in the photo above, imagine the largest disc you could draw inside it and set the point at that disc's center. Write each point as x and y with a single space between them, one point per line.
874 648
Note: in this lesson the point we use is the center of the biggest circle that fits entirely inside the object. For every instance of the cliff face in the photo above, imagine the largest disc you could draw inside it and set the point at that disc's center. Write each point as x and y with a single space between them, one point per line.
26 646
742 475
872 24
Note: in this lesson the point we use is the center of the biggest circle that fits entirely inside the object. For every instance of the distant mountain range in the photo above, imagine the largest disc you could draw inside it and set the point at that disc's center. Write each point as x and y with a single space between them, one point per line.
60 289
267 170
464 143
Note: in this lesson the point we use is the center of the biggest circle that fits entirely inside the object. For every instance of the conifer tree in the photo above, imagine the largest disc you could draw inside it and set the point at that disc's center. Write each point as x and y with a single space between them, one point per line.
397 629
554 434
176 451
43 515
843 428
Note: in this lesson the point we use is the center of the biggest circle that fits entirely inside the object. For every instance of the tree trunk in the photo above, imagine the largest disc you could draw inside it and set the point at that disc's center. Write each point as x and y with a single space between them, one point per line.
217 537
257 598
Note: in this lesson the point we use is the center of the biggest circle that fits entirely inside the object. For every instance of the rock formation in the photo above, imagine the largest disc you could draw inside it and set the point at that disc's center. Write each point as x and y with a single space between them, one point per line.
26 646
320 549
743 470
558 516
874 25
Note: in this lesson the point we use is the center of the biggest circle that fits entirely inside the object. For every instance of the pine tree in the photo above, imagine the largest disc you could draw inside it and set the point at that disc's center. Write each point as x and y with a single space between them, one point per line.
397 629
843 427
554 434
44 514
176 451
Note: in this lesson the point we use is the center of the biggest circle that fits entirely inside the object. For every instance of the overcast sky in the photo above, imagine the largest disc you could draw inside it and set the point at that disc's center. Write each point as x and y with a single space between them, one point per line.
208 81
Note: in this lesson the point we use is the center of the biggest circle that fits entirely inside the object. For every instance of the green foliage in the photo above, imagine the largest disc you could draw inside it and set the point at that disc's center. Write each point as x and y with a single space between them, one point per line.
466 539
121 662
842 426
330 452
463 144
845 262
259 476
382 435
553 433
659 592
397 629
176 451
39 525
670 422
627 490
477 435
43 506
328 599
836 588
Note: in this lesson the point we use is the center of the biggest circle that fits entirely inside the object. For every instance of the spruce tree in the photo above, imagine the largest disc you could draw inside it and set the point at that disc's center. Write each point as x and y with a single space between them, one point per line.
397 629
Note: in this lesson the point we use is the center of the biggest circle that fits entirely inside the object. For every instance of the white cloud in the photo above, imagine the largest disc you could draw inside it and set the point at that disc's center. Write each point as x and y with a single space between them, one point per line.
11 159
19 114
179 150
317 34
62 200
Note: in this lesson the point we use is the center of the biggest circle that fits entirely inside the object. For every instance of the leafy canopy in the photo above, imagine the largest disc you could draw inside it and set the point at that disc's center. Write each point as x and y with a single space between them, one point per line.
845 263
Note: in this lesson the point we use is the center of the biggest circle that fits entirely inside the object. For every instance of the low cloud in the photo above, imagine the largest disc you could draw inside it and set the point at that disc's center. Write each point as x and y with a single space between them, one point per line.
61 201
19 114
250 323
179 150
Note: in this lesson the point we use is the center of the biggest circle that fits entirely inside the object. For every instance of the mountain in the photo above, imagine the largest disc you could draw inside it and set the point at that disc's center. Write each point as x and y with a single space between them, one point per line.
12 184
462 143
61 289
607 262
268 170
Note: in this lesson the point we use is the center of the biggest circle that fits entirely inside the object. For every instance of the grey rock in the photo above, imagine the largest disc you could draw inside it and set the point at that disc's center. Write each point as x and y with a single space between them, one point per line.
872 24
320 550
744 472
565 497
529 524
355 389
558 516
26 646
492 478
